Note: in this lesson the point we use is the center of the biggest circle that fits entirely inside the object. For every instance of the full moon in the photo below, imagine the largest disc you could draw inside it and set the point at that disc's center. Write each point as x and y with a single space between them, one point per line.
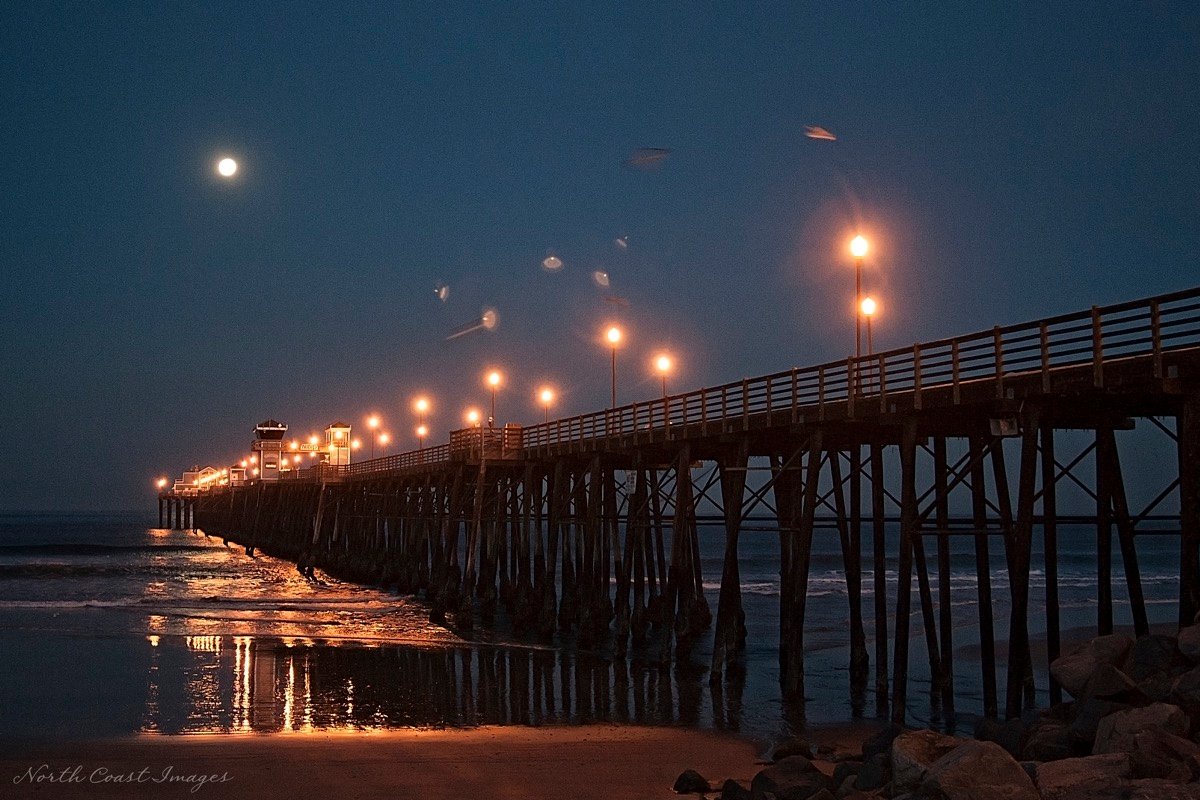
227 167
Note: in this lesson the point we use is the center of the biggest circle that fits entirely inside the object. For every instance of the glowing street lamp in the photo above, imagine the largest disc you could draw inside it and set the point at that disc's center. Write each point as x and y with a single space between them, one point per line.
422 432
494 379
373 423
546 398
471 416
384 438
161 483
663 366
859 247
867 308
613 334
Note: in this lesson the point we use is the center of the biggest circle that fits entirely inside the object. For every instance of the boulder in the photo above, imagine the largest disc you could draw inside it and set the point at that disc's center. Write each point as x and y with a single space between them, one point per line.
874 773
1048 740
1110 683
881 742
912 754
791 778
978 771
795 746
844 770
1115 732
1088 713
732 790
1074 777
1158 754
1154 655
1159 789
1185 693
690 782
1188 643
1008 734
1074 670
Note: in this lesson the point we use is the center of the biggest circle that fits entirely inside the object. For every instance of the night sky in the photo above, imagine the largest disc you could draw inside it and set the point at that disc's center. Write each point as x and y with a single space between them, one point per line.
1006 165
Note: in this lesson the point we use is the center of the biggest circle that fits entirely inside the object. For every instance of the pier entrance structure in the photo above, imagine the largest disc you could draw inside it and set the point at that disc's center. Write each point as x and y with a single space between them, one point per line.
589 524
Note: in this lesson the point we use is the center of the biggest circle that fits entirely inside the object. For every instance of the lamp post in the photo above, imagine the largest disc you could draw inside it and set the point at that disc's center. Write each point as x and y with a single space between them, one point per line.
546 398
384 438
614 338
858 248
494 379
373 423
422 431
663 365
867 308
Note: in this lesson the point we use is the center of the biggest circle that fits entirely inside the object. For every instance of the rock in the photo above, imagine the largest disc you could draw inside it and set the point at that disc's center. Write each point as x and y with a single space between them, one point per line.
1049 740
1154 655
1158 754
881 742
1110 683
1072 777
795 746
844 770
1158 789
732 790
1074 670
978 771
1088 713
1185 693
792 778
874 773
1188 643
847 787
691 782
822 794
1116 731
1008 734
912 754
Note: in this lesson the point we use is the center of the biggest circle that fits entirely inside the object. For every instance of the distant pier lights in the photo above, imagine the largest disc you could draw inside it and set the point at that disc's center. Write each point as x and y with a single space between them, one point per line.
337 444
268 448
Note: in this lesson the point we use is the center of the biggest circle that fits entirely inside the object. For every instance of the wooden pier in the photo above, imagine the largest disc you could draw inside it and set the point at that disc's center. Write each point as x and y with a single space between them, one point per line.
589 524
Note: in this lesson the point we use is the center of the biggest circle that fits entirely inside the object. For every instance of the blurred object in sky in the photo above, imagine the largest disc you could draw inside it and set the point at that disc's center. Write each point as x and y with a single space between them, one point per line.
552 263
617 301
601 278
487 321
622 242
648 158
442 291
817 132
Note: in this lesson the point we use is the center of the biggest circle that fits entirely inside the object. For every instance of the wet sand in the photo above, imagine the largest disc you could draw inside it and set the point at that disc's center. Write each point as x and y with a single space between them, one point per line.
598 761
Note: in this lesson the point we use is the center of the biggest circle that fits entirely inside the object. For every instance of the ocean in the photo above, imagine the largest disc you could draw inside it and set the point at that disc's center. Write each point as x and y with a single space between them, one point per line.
110 626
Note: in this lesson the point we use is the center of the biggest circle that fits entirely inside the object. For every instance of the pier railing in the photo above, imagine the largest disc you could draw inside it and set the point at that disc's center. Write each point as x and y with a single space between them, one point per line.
1101 335
1096 337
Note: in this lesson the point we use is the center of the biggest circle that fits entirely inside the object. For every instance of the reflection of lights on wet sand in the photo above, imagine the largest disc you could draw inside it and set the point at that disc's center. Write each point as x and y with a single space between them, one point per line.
153 640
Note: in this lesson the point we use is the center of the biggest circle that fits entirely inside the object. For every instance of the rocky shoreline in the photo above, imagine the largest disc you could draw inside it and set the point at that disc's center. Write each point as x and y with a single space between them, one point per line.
1130 732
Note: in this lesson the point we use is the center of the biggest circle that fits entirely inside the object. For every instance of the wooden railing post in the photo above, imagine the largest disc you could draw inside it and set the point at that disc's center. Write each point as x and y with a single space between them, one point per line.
703 412
917 377
820 393
954 371
1156 337
1097 349
795 396
998 347
745 404
882 384
1044 345
851 386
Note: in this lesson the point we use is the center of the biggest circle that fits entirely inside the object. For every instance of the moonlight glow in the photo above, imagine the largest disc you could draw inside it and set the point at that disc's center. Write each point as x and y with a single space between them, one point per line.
227 167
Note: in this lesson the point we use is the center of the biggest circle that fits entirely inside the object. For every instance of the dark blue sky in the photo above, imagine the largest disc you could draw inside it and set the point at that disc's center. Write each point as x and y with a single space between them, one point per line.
1008 164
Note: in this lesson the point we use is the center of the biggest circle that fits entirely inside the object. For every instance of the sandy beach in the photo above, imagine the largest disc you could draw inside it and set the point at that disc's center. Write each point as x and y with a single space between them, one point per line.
493 762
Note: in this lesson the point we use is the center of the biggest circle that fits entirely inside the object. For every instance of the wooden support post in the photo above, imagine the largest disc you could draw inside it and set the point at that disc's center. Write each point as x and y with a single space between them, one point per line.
1125 531
1104 598
1019 674
945 602
852 567
731 619
1050 551
879 573
983 577
801 563
1187 427
908 532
